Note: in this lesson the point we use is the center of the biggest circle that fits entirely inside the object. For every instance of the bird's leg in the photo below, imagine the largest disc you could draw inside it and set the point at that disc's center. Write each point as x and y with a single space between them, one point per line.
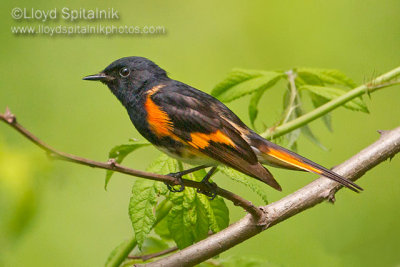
211 187
178 177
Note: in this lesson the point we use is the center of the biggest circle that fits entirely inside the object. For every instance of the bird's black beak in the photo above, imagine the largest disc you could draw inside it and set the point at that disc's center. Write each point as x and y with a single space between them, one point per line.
99 77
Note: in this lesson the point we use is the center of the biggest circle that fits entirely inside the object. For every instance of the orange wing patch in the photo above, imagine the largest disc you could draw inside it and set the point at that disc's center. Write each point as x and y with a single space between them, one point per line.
281 155
202 140
158 120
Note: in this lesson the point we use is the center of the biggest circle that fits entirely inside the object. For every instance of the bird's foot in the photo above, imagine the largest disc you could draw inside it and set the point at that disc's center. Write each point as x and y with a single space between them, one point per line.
211 190
178 177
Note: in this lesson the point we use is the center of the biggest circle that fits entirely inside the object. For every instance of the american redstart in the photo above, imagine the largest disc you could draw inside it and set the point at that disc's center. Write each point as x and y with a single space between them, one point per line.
195 127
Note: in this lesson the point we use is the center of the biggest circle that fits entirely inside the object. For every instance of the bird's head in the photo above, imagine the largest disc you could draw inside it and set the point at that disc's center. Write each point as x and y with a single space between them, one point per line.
126 77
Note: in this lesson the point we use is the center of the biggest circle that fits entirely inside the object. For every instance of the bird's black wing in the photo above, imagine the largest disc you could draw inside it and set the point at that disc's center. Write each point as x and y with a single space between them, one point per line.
199 120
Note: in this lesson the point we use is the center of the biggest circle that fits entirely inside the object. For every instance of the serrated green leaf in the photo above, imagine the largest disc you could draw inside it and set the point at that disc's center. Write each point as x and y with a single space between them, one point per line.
216 209
236 76
178 225
163 165
187 220
247 86
217 212
256 97
141 208
330 93
306 130
243 179
253 106
305 78
258 93
221 213
328 76
119 153
201 223
144 198
120 253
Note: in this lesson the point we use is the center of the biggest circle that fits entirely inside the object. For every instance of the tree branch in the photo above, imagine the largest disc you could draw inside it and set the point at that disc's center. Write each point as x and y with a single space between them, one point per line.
11 120
378 83
153 255
314 193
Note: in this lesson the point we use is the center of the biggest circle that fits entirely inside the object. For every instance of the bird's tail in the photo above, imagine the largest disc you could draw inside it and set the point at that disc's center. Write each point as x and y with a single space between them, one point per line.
277 156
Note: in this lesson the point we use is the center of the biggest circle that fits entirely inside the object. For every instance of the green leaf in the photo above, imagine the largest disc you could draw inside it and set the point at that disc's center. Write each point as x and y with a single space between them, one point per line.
317 102
162 230
253 106
216 210
153 244
243 179
178 225
310 135
306 130
187 220
238 86
119 153
291 139
221 214
325 76
119 254
144 198
160 225
141 205
163 165
330 93
201 224
236 76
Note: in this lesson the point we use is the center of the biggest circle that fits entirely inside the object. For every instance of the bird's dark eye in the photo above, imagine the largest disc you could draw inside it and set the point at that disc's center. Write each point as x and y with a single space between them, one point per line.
124 72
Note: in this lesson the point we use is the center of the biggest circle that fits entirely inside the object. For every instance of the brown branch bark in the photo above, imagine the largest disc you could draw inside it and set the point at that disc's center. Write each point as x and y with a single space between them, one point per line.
153 255
314 193
11 120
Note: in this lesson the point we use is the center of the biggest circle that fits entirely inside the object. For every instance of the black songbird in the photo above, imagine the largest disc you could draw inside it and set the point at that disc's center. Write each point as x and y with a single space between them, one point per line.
195 127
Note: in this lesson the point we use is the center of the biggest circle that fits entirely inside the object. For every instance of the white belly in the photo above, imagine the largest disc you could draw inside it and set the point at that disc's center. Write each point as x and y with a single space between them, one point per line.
190 158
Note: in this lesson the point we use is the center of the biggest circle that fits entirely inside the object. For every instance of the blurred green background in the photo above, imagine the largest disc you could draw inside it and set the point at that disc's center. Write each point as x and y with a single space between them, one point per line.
58 214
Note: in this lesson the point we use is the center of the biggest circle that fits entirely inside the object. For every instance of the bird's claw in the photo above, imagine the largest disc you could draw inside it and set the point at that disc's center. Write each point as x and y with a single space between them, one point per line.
178 177
211 190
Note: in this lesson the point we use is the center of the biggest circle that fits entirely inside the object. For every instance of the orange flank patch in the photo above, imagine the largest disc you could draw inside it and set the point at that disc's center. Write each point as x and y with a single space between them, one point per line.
202 140
158 119
286 157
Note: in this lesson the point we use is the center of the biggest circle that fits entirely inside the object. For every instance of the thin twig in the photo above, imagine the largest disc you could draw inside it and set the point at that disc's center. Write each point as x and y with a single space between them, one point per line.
153 255
11 120
314 193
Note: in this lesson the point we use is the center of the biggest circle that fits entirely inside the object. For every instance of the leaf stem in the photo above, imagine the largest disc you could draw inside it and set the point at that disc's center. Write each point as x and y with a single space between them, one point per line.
123 253
375 84
293 93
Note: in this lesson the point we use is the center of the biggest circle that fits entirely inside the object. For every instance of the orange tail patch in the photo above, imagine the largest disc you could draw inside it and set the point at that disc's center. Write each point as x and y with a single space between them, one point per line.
290 159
